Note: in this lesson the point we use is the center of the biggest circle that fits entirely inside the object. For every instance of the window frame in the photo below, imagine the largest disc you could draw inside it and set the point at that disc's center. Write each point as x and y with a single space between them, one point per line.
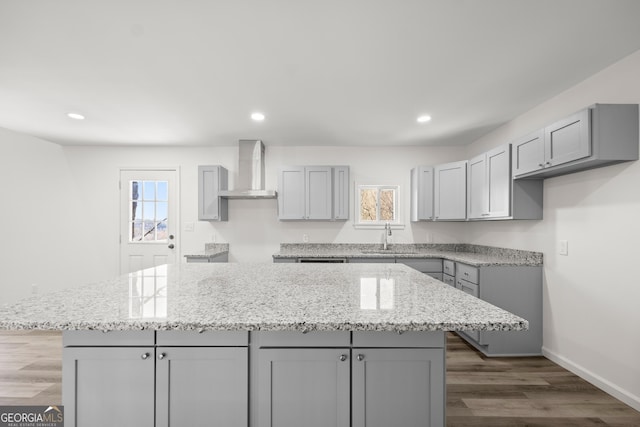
397 223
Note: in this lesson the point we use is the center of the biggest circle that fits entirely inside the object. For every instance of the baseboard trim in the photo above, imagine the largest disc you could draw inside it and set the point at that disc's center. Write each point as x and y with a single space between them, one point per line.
604 385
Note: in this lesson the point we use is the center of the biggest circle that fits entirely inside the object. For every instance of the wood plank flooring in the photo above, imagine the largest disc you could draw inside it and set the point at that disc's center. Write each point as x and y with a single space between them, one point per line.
490 392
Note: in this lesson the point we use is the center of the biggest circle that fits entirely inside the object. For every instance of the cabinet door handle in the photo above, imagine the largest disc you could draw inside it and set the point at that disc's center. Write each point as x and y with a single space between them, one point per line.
343 357
162 356
541 165
360 357
144 356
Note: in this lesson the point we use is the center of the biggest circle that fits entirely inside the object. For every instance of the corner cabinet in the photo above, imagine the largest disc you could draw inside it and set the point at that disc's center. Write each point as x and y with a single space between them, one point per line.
450 191
517 289
211 180
597 136
492 193
313 193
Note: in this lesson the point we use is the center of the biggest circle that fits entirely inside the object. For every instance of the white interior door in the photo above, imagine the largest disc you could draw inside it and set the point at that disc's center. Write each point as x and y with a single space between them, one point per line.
148 218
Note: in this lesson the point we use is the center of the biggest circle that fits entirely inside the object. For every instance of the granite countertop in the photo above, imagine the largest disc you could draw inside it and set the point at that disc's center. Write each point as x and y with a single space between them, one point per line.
212 296
211 250
475 255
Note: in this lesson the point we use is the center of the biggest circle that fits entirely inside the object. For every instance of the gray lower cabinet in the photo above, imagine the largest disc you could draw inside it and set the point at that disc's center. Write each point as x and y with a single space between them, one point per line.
377 379
304 387
218 258
517 289
202 386
109 386
155 385
397 387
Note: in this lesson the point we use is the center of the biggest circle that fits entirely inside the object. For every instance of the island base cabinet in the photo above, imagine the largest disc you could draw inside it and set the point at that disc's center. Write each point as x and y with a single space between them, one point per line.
398 387
205 386
108 386
303 387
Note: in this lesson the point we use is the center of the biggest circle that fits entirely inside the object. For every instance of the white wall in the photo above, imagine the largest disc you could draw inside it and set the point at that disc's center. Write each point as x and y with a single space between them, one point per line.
591 298
253 230
46 236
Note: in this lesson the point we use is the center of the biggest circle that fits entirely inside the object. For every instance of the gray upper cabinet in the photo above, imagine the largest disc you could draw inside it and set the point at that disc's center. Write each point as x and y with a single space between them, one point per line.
567 139
422 193
341 192
528 153
318 192
313 193
450 191
599 135
489 184
211 180
291 193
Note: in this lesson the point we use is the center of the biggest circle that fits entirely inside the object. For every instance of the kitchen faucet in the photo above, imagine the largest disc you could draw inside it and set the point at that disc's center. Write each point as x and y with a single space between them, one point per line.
387 233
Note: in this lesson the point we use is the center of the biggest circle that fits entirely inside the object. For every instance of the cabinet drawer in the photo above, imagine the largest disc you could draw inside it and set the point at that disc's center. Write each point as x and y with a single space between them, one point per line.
107 339
449 280
449 267
423 265
206 338
407 339
301 339
468 287
467 272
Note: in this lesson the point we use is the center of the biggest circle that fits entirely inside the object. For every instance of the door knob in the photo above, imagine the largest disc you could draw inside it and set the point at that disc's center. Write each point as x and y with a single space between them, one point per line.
171 246
171 236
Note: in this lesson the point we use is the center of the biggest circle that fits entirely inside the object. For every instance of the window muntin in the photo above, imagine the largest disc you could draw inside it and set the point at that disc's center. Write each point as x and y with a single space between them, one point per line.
148 210
377 204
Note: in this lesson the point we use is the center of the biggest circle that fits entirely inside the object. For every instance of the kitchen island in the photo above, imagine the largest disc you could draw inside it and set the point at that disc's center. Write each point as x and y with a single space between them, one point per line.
258 344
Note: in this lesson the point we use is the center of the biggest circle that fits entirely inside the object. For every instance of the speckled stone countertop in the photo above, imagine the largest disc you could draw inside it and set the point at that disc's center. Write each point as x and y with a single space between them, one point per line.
211 250
475 255
213 296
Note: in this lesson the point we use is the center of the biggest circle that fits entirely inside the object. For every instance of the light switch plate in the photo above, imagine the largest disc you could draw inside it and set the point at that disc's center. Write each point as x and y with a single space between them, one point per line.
189 226
564 247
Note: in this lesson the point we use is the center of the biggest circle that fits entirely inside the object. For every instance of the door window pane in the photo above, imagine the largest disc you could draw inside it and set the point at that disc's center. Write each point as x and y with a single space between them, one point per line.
148 210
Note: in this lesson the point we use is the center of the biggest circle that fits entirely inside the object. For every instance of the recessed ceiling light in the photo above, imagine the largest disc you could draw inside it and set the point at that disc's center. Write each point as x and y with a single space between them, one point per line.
424 119
258 117
75 116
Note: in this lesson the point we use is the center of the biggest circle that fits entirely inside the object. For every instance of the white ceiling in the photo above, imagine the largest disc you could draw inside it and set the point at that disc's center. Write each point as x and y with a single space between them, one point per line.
324 72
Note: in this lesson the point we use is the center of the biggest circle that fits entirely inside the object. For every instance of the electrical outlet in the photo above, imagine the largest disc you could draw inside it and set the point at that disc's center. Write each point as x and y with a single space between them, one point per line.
429 237
564 247
305 238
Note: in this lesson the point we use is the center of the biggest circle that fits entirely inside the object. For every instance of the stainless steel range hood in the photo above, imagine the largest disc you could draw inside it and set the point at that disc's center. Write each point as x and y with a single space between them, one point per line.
250 183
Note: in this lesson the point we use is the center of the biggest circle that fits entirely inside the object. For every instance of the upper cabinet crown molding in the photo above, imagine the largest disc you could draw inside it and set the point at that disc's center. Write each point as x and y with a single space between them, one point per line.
599 135
313 193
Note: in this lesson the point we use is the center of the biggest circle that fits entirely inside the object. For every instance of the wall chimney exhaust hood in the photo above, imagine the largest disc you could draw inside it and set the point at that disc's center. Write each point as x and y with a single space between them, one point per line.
250 183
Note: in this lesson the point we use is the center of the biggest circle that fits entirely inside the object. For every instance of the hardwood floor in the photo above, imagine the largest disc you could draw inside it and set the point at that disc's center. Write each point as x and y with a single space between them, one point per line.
524 391
491 392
